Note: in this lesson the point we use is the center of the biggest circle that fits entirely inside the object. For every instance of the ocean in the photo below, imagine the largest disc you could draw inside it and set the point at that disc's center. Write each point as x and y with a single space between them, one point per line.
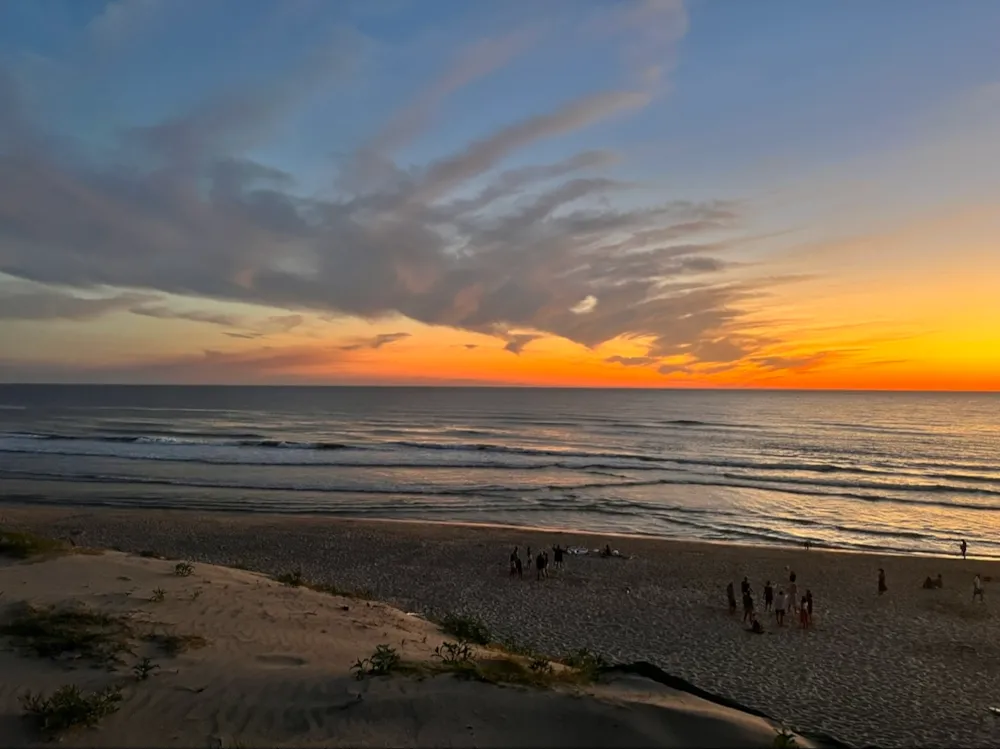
899 472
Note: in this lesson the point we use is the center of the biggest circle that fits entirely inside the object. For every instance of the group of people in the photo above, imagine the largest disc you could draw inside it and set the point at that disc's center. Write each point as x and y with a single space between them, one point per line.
933 583
541 561
782 603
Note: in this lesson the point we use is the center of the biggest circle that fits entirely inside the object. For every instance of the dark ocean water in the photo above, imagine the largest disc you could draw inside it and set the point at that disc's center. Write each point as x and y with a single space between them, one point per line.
900 471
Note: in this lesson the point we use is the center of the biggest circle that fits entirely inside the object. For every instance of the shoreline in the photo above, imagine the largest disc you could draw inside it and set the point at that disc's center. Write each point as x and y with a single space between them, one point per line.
665 605
20 504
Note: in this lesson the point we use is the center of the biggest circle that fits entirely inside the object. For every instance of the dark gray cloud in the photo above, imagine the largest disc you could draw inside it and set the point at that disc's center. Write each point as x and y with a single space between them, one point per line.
185 211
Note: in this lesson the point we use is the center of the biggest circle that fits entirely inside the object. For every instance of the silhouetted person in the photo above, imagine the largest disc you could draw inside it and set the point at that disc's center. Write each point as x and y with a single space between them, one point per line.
557 556
513 562
793 593
745 586
519 568
882 587
747 606
539 566
803 613
768 596
779 608
977 589
809 607
731 598
607 550
939 582
964 547
755 626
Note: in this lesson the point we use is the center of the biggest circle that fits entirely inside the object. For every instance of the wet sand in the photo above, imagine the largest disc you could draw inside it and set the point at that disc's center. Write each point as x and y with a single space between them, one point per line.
912 667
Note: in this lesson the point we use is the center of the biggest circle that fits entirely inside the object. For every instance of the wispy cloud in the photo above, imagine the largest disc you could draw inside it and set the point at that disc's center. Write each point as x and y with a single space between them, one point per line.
196 216
375 342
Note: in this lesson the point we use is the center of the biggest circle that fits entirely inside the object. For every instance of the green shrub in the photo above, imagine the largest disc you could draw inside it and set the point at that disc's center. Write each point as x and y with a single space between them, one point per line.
69 706
467 628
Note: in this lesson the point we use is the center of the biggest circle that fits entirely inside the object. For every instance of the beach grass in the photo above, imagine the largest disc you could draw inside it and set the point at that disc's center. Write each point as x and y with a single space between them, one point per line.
69 706
295 579
23 545
76 633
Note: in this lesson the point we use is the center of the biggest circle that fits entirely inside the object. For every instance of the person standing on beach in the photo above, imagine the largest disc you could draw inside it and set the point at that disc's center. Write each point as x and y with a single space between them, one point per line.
747 605
779 608
793 593
731 598
513 562
803 613
882 587
557 556
745 586
768 595
977 589
964 547
809 607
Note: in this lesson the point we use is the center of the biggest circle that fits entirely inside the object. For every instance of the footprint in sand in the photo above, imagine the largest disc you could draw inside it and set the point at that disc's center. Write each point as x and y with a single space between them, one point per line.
281 660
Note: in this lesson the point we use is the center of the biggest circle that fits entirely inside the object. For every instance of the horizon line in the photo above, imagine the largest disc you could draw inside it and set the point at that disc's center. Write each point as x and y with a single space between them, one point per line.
494 386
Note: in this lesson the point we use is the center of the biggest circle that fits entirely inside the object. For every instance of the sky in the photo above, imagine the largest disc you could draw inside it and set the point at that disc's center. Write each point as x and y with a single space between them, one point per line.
599 193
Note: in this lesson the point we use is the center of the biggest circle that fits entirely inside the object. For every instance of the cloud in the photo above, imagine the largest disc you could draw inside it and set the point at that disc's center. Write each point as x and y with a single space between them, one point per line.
372 163
517 342
164 312
632 361
190 213
376 342
55 305
248 336
262 365
120 20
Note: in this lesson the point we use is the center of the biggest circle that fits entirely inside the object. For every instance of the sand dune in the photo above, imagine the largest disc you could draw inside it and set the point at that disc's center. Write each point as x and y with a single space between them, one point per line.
263 663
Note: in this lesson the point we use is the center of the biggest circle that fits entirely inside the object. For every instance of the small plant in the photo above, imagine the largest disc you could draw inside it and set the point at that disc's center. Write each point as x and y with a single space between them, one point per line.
158 595
784 739
454 653
293 578
195 594
585 661
540 666
383 661
467 628
183 569
144 669
69 707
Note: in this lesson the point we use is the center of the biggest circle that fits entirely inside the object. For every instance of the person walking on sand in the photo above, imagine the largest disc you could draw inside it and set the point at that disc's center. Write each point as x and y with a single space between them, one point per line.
513 562
768 596
882 587
731 598
803 613
977 589
744 586
809 608
964 547
793 594
779 608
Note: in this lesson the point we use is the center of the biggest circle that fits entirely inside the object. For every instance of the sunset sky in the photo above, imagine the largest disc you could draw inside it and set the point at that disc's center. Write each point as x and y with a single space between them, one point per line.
568 192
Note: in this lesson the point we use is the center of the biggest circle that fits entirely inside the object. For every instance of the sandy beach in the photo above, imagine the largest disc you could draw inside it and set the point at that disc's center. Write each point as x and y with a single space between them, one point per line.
911 667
